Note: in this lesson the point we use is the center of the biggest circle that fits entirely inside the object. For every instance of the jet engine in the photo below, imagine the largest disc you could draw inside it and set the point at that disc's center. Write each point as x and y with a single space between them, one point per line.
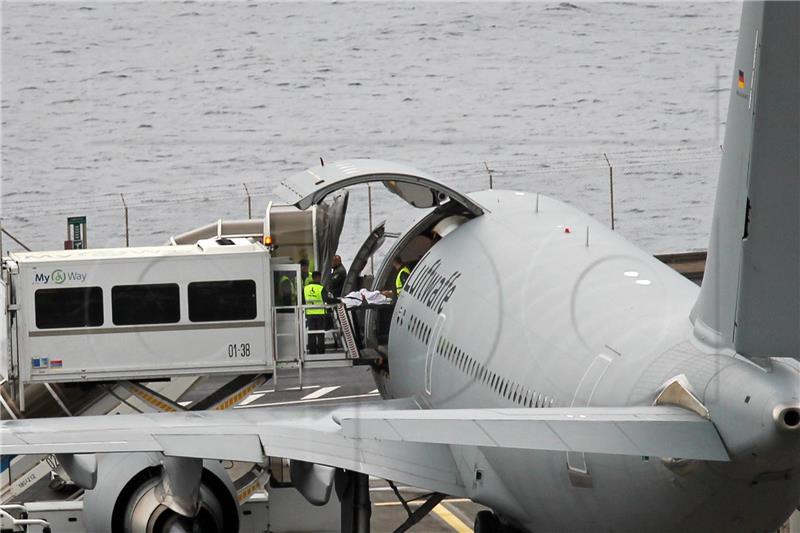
151 493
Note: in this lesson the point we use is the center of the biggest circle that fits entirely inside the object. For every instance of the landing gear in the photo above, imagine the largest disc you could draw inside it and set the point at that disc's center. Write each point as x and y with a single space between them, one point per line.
487 522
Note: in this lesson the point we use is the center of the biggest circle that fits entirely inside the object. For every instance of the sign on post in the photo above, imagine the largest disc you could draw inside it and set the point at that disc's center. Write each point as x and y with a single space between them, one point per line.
76 233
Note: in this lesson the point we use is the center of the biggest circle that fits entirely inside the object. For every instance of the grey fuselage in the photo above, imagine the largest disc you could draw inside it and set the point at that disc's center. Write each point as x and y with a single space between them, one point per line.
535 304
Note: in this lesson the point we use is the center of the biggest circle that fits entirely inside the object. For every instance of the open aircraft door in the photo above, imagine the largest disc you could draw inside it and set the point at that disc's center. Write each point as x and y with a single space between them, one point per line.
421 190
375 240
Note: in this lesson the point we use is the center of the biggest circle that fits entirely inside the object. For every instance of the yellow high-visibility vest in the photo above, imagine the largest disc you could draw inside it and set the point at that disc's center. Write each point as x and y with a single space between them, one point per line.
313 295
398 281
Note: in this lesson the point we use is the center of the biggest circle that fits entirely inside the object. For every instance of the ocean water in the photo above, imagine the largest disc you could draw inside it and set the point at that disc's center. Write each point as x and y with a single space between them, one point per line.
176 105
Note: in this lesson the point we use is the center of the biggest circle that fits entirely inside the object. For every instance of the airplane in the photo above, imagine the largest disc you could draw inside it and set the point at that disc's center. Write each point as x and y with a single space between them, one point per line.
537 362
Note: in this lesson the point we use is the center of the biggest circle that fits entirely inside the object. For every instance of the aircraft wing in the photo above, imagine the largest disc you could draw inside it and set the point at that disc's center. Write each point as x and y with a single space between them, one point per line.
392 440
660 431
302 433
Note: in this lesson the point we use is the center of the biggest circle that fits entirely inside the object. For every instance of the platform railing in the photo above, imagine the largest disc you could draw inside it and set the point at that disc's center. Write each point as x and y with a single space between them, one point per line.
287 354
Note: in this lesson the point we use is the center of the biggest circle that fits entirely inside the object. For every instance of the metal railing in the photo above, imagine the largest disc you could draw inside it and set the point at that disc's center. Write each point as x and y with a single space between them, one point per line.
291 335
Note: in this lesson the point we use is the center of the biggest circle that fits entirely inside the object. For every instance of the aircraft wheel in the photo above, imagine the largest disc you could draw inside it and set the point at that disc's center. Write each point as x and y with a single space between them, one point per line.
486 522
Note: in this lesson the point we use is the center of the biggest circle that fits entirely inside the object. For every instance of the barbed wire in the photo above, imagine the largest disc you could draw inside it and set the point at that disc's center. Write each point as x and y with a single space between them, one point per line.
625 161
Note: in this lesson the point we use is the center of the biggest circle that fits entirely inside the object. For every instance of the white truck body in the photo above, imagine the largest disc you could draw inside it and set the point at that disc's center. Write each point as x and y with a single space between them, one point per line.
135 313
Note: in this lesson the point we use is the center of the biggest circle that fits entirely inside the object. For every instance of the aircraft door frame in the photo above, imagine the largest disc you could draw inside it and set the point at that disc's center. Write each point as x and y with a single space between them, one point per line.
288 326
437 333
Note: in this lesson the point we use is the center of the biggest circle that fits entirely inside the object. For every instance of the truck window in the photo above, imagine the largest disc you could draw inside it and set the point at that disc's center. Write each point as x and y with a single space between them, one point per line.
145 304
77 307
211 301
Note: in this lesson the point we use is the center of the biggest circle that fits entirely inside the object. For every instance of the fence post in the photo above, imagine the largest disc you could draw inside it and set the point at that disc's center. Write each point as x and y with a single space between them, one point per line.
249 204
369 201
127 233
611 187
5 232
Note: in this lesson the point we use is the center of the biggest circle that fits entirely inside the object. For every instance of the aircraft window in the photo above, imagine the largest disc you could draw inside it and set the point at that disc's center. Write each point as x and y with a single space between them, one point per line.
77 307
145 304
211 301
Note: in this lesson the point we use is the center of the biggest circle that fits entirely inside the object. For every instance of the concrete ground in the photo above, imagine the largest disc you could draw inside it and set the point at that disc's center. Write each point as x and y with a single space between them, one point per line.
452 514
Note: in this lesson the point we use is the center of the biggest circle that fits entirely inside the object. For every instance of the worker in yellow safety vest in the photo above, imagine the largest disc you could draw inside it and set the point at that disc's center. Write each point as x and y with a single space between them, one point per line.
402 274
315 317
286 294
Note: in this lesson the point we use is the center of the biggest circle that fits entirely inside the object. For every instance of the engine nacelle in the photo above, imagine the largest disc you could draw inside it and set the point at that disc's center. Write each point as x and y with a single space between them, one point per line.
128 498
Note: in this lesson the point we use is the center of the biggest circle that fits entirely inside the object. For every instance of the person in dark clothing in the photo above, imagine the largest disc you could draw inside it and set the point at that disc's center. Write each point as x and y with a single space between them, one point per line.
305 275
336 280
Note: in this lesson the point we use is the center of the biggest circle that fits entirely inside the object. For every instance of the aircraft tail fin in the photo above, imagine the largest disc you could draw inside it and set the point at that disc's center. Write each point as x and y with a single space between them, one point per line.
750 298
